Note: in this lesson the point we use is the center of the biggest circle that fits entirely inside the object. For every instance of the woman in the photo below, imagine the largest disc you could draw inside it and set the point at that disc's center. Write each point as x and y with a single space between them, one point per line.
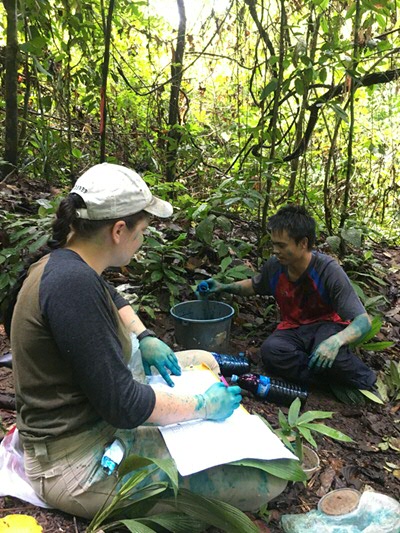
71 344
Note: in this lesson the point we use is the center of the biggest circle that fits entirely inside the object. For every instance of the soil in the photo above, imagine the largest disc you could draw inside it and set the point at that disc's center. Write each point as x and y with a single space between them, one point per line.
372 461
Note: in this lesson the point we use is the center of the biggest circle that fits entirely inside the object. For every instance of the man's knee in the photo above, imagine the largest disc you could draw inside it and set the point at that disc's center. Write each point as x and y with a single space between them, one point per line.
271 351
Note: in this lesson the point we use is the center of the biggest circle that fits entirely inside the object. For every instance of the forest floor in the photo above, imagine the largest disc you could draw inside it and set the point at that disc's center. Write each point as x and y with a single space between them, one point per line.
372 461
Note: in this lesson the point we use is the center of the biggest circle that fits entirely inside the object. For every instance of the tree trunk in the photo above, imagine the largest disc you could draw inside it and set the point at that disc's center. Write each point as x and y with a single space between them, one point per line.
174 135
350 160
103 90
11 85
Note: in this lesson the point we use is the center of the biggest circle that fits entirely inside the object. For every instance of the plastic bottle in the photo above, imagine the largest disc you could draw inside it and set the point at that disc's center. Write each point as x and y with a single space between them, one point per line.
112 457
232 364
271 389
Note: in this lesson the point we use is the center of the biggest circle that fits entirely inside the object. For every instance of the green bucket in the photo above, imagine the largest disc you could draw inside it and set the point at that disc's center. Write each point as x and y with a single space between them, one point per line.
203 324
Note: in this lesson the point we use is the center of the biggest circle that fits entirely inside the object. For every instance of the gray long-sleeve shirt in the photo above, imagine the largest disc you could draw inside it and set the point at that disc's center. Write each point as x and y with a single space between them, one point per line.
70 350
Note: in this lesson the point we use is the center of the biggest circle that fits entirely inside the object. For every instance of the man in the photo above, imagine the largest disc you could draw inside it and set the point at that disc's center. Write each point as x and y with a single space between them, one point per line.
320 311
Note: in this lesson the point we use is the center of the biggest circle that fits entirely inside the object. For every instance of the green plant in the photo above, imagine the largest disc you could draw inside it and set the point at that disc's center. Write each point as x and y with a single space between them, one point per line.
228 274
364 341
371 303
296 428
388 382
163 263
26 235
189 512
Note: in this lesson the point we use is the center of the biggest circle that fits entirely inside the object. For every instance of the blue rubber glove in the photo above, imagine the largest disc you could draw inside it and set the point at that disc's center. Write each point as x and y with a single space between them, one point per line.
213 287
325 353
156 353
221 401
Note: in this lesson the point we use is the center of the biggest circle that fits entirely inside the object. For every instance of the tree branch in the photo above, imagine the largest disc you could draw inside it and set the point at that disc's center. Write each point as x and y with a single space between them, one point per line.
365 81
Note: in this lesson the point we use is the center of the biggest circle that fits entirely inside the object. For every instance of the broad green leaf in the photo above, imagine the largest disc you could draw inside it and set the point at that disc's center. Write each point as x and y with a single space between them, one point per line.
174 522
299 86
4 280
153 243
284 438
133 462
166 465
283 421
16 236
339 112
353 236
306 434
38 244
143 497
334 242
314 415
224 223
376 324
288 469
368 275
294 411
373 397
156 275
351 10
358 290
132 525
205 229
202 209
225 263
44 203
374 301
394 372
269 88
329 432
377 346
214 512
76 153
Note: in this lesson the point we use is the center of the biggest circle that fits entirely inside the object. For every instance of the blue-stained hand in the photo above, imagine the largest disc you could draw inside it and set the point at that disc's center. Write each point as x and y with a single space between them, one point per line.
325 353
156 353
221 401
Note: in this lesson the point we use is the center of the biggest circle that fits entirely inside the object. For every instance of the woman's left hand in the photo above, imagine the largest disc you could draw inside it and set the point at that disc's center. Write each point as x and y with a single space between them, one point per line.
156 353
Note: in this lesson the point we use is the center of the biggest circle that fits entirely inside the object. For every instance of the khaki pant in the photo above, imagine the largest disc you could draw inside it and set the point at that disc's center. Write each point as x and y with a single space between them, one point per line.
67 473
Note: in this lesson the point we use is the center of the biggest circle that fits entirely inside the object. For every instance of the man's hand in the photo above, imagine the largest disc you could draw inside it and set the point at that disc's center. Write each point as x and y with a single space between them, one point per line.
241 288
213 287
156 353
325 353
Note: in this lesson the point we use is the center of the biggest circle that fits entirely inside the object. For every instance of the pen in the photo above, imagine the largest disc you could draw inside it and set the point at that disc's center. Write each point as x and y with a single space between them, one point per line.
223 380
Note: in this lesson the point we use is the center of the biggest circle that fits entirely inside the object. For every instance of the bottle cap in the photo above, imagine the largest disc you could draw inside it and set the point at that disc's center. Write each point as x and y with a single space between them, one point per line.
203 286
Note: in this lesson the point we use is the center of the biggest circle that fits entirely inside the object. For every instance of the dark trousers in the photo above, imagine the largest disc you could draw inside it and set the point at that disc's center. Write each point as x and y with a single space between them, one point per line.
286 353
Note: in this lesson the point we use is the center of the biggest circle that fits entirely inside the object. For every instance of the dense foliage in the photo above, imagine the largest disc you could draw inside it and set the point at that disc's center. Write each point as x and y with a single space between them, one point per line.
276 100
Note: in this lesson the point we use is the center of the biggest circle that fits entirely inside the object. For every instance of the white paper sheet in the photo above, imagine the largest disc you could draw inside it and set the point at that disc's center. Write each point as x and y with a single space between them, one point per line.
201 444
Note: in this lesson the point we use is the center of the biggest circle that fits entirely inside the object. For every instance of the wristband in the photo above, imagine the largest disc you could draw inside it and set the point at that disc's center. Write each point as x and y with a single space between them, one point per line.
146 333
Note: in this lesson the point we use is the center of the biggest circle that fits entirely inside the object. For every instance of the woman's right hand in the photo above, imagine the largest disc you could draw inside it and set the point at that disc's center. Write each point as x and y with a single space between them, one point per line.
221 401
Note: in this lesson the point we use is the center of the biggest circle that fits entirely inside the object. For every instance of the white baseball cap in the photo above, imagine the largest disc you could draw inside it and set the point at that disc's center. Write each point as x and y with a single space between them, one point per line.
112 191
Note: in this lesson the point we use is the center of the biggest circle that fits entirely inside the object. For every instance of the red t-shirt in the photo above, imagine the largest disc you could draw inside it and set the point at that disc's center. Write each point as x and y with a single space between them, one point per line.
322 293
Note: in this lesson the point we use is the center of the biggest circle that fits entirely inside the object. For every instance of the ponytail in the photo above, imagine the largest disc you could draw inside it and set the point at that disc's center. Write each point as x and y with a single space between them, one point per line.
65 217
